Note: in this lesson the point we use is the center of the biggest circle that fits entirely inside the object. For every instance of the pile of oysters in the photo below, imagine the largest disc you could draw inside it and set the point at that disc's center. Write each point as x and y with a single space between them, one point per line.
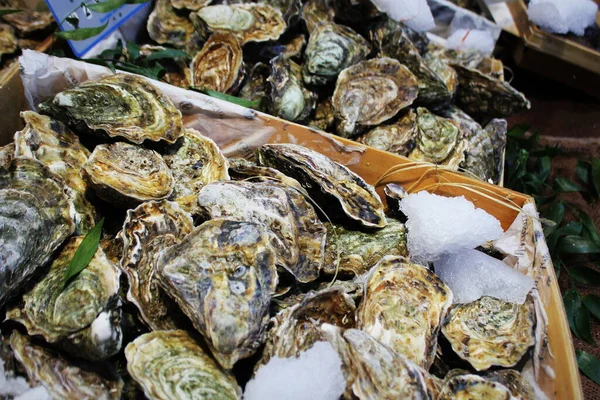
344 67
209 267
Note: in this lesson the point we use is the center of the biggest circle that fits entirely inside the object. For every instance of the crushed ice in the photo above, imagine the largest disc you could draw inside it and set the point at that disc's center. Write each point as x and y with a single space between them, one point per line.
471 39
415 14
18 388
562 16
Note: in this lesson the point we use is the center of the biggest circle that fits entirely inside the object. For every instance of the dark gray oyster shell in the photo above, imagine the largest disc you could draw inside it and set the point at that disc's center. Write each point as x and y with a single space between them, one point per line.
398 137
8 40
119 105
243 170
354 10
339 192
165 26
295 231
484 156
324 117
256 87
222 275
35 218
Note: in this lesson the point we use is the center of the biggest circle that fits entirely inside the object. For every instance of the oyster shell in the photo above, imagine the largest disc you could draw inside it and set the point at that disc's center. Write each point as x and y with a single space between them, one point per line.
398 137
354 10
403 306
76 316
61 378
339 192
125 174
53 144
289 8
518 386
471 387
147 230
492 67
171 365
295 232
118 105
484 156
244 170
190 4
360 251
290 100
222 275
165 26
35 219
254 22
8 40
324 117
444 71
316 13
490 332
372 92
256 87
195 162
289 45
7 154
219 65
332 48
27 22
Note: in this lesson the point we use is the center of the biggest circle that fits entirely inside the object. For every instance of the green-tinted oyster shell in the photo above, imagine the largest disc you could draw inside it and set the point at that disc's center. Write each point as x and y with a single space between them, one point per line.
398 137
165 26
8 40
222 275
342 194
35 218
119 105
170 365
243 170
443 70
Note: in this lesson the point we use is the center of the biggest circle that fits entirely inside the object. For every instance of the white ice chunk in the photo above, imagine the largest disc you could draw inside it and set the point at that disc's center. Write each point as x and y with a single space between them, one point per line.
11 386
562 16
416 14
439 225
36 393
471 274
471 39
315 375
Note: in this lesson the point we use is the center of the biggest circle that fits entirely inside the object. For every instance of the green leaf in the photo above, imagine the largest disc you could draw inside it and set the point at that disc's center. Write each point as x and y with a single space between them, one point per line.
133 50
596 175
555 212
167 53
7 12
85 252
589 365
572 302
584 326
585 275
577 245
566 185
105 6
572 228
592 303
582 170
81 33
518 131
544 166
231 99
588 223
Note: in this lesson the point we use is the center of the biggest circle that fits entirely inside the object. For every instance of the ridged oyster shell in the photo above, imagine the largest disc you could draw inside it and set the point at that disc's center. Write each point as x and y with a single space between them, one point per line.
7 154
295 231
519 387
490 332
403 306
165 26
338 191
461 385
124 174
8 40
170 365
35 218
27 21
316 13
222 275
484 156
371 92
118 105
256 87
398 137
241 169
147 230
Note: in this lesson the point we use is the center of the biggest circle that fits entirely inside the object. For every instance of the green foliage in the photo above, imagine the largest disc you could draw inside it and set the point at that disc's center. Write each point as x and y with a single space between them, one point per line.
85 252
589 365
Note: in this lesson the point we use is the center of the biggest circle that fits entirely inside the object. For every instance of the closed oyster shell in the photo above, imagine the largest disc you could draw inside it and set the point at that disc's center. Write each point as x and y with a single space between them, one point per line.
519 387
8 40
444 71
119 105
342 194
403 306
219 65
372 92
484 156
7 154
324 117
190 4
490 332
124 174
195 162
316 13
35 218
330 49
222 275
26 21
470 387
398 137
61 378
53 144
75 316
167 27
295 232
147 230
360 251
289 8
171 365
243 170
256 87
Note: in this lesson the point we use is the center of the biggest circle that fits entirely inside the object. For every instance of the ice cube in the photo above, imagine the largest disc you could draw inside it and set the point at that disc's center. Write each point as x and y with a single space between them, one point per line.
562 16
471 274
471 39
439 225
11 386
315 375
416 14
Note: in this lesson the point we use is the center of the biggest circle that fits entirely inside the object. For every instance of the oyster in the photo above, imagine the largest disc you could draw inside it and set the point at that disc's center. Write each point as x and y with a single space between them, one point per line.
394 194
171 365
330 49
35 219
484 156
290 100
339 192
27 22
470 387
518 386
372 92
289 45
82 315
256 86
403 306
195 162
125 174
219 65
354 10
295 232
289 8
190 4
324 117
61 378
165 26
7 154
53 144
492 67
490 332
222 275
360 251
398 137
444 71
254 22
8 40
244 170
118 105
316 13
147 230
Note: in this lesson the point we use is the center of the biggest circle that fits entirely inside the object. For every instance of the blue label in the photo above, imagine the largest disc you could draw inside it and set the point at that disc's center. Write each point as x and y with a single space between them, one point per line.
89 19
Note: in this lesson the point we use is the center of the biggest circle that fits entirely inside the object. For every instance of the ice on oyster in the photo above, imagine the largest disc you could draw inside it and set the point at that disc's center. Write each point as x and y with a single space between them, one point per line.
170 365
35 218
222 275
403 306
342 194
119 105
165 26
124 174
